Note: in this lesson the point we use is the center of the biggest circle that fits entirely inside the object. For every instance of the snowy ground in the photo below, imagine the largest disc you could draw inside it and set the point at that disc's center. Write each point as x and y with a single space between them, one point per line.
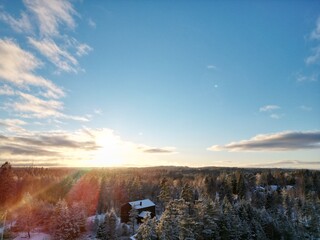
84 236
34 236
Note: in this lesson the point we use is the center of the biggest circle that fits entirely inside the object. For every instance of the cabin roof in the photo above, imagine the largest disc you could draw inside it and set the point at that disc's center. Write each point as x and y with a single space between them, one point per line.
142 203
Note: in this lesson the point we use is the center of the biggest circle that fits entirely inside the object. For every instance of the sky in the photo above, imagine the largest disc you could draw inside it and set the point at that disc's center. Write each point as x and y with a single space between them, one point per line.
149 83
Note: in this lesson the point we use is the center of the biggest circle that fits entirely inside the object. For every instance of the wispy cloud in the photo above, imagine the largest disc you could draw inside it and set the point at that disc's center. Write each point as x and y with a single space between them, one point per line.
61 58
21 24
36 107
314 58
82 49
47 18
12 125
276 116
17 67
311 73
30 95
92 23
6 90
31 106
305 108
269 108
282 141
315 34
98 111
51 14
307 78
213 67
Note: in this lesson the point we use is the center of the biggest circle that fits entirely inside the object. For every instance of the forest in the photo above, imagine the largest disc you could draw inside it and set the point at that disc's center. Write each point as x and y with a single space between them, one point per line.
191 203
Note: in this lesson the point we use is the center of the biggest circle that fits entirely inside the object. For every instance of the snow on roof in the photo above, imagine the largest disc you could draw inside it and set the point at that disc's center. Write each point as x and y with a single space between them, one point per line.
145 214
273 187
142 203
260 188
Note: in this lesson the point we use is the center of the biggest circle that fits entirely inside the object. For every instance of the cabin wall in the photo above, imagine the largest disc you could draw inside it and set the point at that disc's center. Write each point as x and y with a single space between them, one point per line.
126 208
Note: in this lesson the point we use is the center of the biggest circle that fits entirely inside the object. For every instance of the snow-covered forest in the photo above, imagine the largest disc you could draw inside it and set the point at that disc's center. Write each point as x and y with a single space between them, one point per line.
191 203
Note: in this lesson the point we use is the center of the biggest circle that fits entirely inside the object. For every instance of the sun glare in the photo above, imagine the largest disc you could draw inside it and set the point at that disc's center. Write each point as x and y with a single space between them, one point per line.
112 153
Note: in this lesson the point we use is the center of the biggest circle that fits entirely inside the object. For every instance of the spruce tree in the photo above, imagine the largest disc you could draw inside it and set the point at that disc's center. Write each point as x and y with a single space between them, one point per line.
63 225
147 230
187 193
101 232
164 195
111 225
133 215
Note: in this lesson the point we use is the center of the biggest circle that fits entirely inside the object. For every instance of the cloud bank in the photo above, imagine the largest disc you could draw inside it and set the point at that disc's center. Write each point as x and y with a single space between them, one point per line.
91 146
282 141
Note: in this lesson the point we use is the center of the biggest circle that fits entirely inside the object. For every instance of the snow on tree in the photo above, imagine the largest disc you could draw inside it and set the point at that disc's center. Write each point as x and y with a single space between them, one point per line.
111 225
64 227
168 224
164 195
95 225
147 230
133 215
175 222
206 214
187 193
78 217
123 230
101 232
186 221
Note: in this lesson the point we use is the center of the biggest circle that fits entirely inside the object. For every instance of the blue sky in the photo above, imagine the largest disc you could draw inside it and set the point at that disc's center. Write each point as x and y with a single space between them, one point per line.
140 83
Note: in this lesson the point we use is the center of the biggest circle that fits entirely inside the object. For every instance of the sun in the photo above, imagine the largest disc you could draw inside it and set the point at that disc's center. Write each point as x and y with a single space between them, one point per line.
109 154
113 152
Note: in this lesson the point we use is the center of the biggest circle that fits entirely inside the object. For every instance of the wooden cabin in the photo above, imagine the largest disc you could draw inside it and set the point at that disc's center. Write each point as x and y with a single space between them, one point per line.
144 207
